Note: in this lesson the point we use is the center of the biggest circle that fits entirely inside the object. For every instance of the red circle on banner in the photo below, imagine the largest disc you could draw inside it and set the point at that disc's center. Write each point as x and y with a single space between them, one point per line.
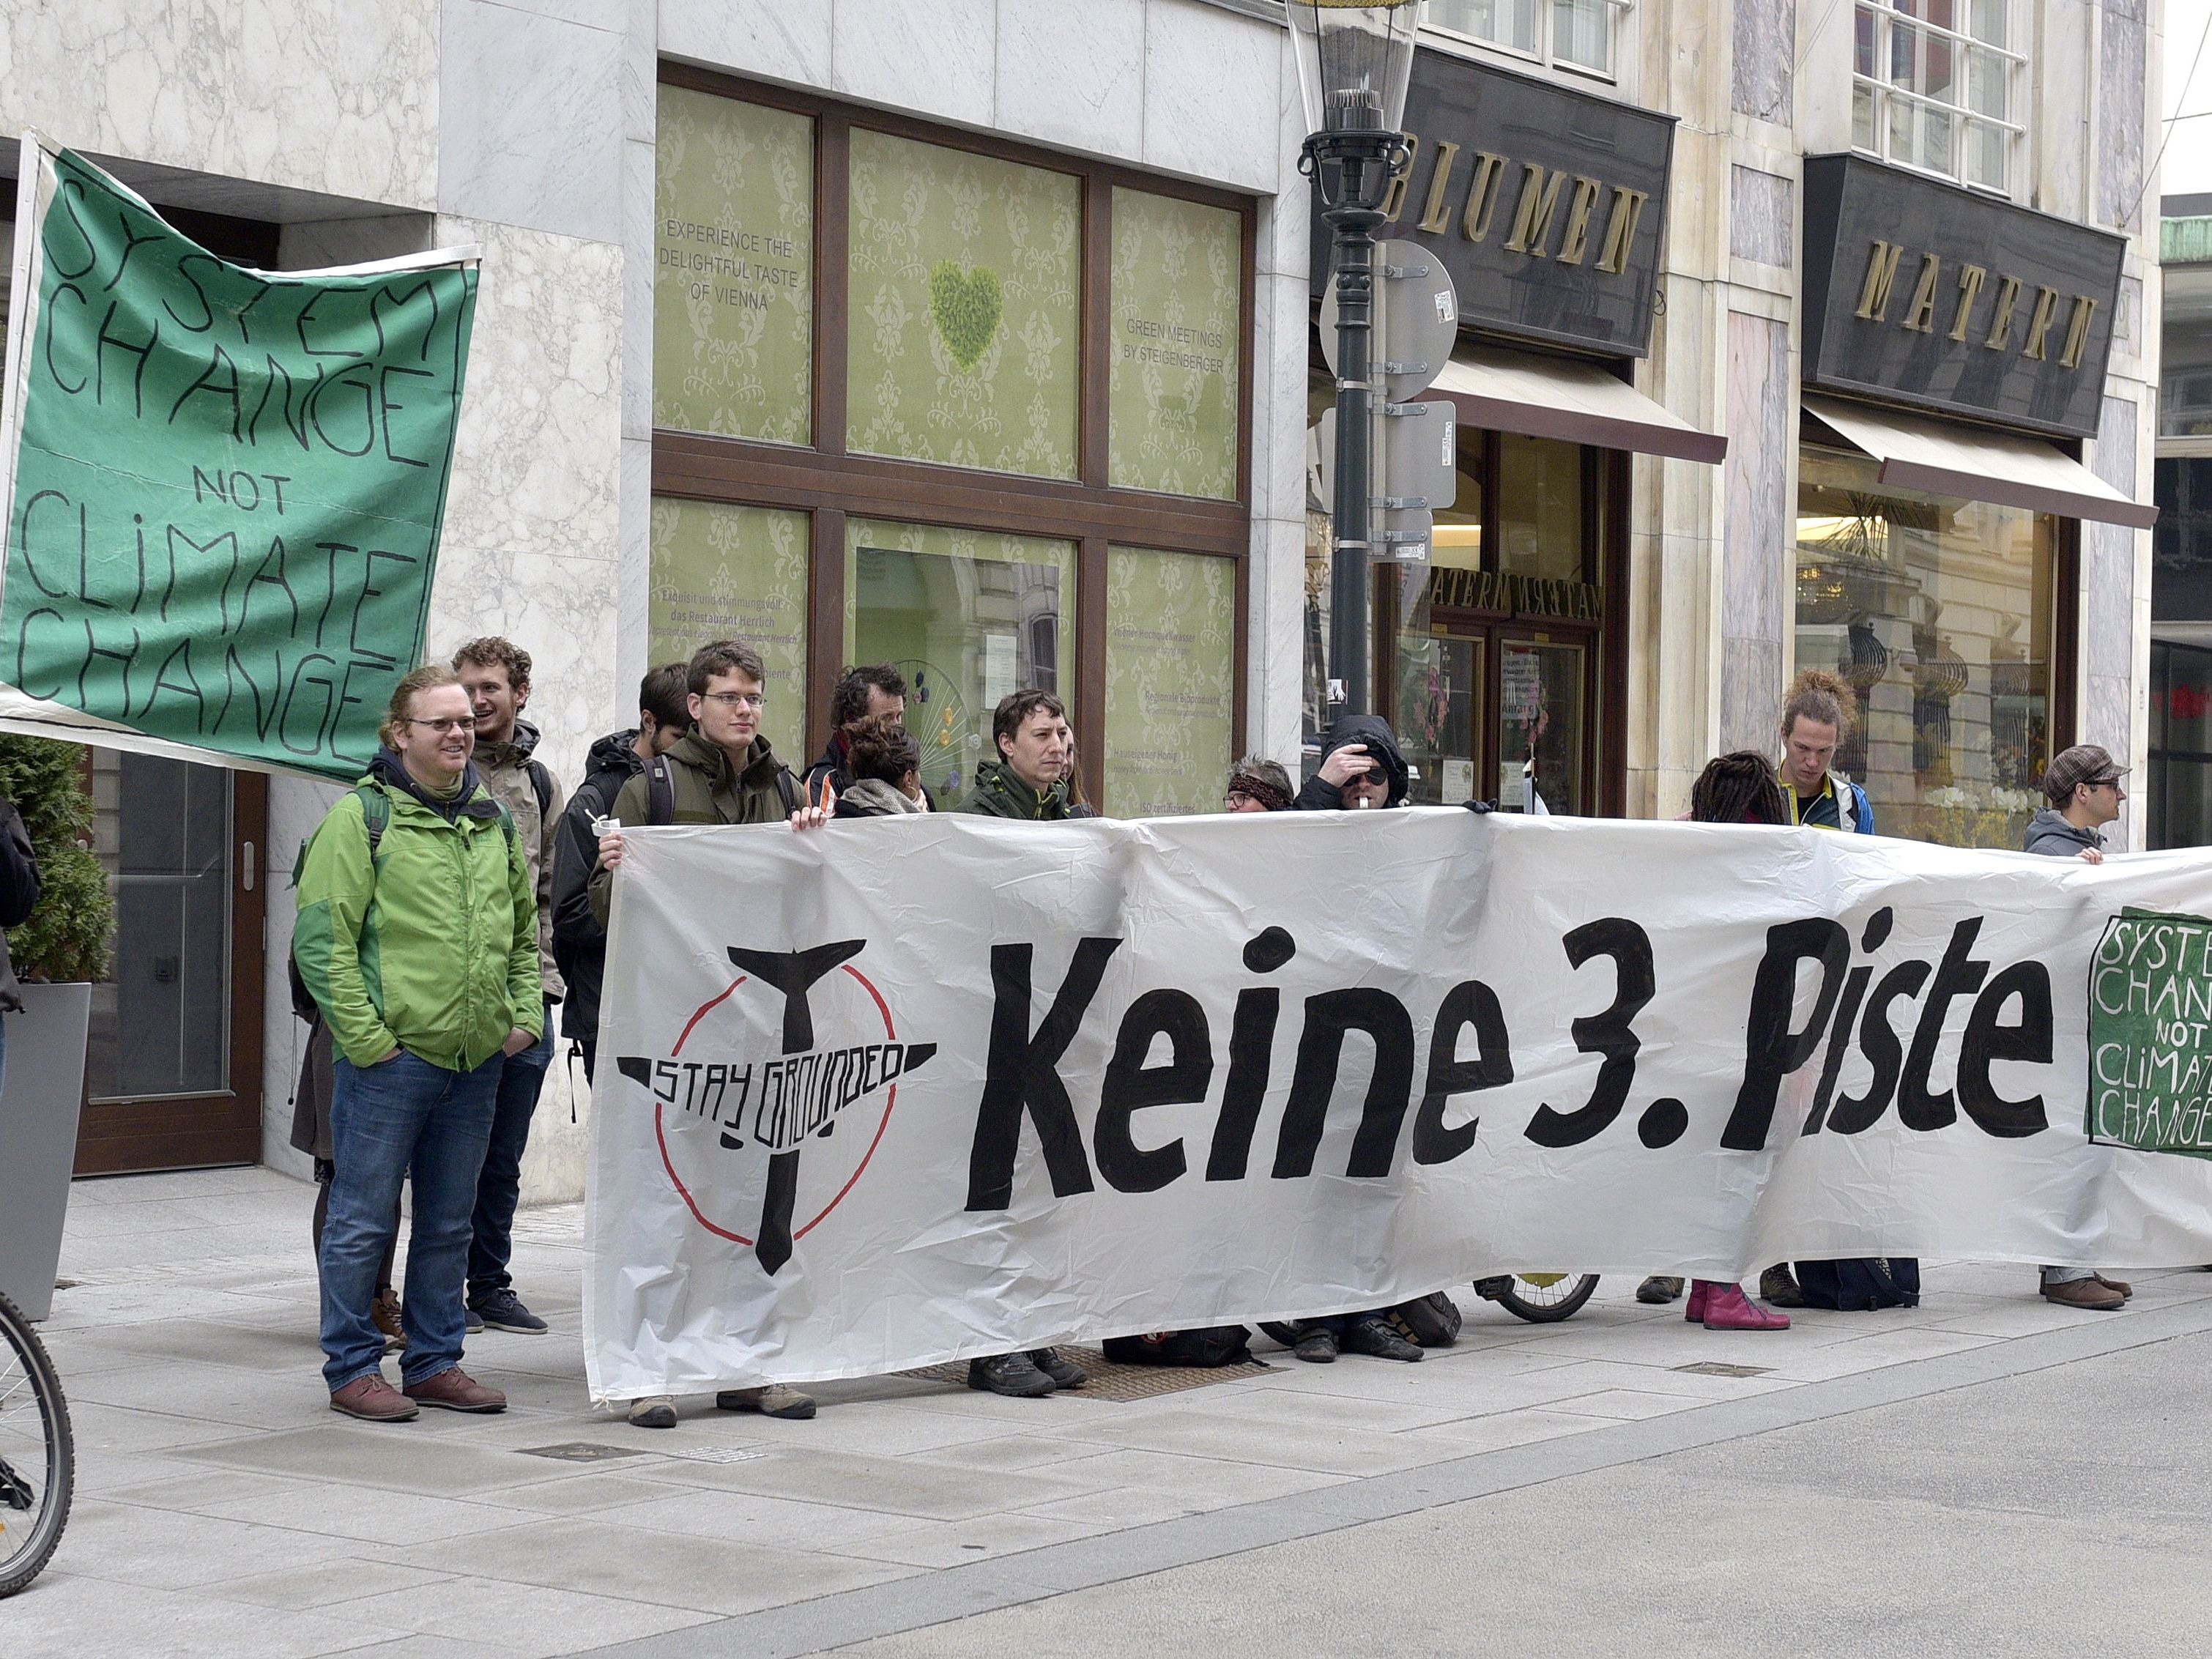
660 1134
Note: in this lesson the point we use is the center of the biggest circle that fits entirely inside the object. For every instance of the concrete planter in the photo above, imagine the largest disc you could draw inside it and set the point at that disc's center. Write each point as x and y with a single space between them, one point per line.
43 1089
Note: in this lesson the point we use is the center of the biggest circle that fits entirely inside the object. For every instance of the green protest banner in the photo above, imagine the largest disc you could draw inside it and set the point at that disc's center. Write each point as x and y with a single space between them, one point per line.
225 485
2150 1033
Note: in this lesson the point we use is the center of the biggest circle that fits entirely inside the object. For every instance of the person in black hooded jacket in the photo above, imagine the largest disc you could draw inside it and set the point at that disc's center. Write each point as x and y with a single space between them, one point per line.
1361 766
579 943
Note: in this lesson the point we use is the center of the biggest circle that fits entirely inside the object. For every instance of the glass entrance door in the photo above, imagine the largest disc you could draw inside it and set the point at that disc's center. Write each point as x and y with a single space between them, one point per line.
173 1065
1541 759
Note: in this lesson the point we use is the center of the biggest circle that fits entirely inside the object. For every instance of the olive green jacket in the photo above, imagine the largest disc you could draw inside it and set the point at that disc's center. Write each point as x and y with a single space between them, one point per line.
999 794
434 947
709 790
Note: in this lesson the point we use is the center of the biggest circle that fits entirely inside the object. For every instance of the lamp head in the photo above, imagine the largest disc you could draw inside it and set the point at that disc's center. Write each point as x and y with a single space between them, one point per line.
1355 59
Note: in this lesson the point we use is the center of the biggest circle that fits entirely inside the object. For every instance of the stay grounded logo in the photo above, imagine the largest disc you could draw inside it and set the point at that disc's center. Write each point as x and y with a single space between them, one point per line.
769 1067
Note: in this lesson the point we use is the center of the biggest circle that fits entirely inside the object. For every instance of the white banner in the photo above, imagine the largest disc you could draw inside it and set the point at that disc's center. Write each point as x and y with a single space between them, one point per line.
906 1090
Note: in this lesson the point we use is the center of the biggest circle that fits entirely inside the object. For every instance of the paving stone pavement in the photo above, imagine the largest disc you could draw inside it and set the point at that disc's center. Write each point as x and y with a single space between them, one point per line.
222 1508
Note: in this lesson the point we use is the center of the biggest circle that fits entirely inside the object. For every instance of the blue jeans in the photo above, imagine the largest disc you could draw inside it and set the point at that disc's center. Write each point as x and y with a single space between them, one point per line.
404 1119
521 1079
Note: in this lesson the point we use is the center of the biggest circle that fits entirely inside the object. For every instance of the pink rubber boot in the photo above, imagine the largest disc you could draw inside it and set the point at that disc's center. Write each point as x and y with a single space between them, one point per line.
1726 1308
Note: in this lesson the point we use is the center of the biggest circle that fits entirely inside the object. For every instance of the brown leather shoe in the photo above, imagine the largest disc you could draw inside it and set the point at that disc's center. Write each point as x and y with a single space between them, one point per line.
457 1391
2119 1284
372 1399
2083 1293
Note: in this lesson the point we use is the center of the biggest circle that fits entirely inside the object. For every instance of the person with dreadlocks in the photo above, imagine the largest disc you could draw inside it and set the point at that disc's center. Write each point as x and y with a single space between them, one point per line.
1735 788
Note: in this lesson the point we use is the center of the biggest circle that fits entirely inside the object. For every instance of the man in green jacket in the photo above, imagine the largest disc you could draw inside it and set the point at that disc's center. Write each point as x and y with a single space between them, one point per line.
721 772
417 936
1029 782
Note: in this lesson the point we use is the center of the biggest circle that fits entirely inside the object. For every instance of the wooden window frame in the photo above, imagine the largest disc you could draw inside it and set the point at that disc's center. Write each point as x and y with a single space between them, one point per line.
830 484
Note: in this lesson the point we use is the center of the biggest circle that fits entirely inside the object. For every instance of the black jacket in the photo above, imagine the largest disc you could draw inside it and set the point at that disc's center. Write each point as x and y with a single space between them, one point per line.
19 893
579 943
831 767
1382 743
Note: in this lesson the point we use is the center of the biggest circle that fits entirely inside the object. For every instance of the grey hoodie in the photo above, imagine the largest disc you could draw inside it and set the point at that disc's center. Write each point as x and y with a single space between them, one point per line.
2049 834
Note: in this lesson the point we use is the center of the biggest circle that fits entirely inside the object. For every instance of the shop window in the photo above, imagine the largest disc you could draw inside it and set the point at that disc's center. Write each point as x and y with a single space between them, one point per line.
968 616
1540 507
1572 33
961 313
721 571
1023 358
1178 302
2176 789
733 270
1490 657
1935 86
1940 613
1171 681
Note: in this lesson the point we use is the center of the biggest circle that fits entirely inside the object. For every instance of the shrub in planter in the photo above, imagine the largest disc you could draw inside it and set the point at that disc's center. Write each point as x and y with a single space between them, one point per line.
67 938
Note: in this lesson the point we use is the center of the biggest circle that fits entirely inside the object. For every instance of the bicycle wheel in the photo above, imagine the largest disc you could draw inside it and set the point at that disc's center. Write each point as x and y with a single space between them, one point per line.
37 1460
1545 1298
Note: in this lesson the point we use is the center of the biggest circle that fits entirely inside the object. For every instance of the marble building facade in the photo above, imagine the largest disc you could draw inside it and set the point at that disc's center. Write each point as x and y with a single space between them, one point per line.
527 127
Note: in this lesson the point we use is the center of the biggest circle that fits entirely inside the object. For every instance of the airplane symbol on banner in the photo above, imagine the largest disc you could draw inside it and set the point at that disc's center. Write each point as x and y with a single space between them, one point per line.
793 973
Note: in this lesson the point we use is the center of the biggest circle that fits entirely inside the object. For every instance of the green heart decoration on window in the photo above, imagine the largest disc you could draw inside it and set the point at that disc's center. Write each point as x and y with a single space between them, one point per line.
965 308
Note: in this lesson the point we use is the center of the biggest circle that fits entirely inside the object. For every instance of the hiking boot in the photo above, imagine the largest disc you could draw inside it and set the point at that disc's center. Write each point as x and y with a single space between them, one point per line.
455 1391
1315 1347
1010 1374
2120 1284
1371 1334
772 1401
1777 1285
1659 1288
502 1311
385 1310
656 1411
372 1399
2084 1293
1728 1308
1064 1373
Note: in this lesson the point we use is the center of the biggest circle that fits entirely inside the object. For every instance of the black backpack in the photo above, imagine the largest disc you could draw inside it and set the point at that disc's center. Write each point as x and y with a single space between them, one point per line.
1214 1345
660 790
1427 1322
1858 1284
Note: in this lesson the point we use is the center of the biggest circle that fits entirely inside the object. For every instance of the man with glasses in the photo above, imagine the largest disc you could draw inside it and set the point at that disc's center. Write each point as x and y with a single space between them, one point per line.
496 673
2082 785
722 771
418 938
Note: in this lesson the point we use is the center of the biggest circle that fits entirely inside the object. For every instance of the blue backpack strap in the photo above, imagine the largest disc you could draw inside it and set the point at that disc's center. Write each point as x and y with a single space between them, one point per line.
1862 811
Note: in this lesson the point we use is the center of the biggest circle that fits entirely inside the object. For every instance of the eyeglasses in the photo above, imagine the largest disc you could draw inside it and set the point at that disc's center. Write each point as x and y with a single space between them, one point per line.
1236 798
465 723
736 699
